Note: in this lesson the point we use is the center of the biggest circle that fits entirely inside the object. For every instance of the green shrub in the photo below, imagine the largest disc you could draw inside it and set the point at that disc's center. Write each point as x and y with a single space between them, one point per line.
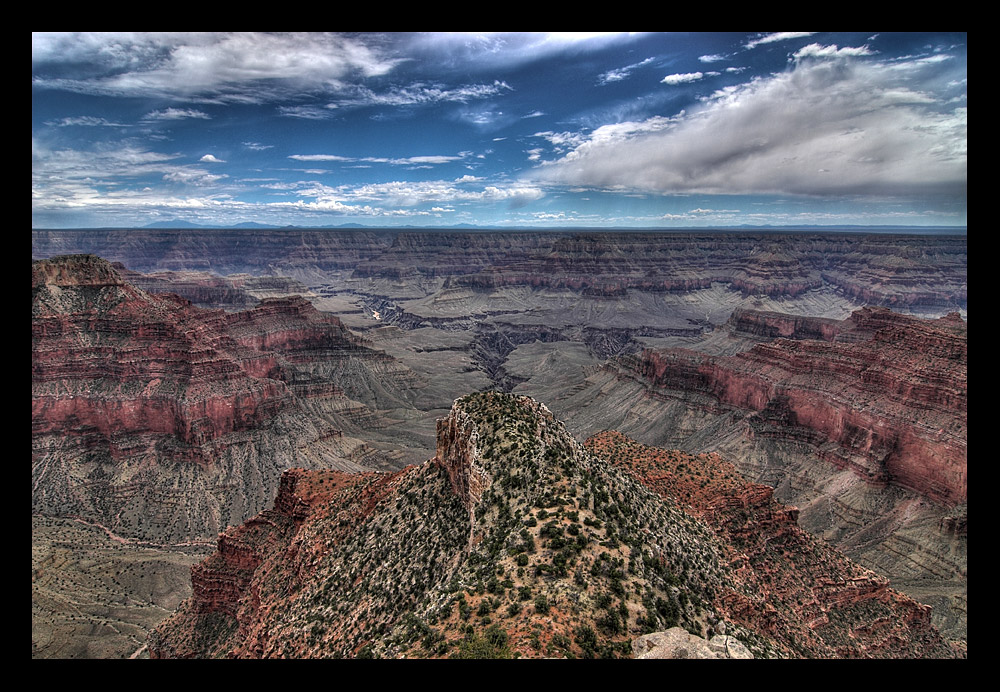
493 643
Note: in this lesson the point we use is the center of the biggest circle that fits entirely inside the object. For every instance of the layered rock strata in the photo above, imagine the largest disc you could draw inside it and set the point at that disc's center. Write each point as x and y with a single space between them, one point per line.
905 272
164 421
882 394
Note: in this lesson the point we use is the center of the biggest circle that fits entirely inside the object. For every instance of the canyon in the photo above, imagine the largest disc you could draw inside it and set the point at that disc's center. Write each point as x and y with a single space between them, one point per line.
177 379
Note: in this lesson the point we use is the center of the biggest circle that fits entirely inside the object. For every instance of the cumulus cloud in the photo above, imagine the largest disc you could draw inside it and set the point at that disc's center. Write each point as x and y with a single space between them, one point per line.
682 78
192 176
209 158
828 127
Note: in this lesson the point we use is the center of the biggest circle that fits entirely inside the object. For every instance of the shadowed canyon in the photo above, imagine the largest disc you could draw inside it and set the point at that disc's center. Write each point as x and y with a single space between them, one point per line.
310 443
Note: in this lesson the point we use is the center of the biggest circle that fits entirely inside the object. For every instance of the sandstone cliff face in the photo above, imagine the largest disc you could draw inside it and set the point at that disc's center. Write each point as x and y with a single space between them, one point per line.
533 539
882 394
164 421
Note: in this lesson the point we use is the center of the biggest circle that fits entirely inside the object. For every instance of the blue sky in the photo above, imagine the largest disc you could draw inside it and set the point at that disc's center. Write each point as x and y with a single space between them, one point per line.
515 130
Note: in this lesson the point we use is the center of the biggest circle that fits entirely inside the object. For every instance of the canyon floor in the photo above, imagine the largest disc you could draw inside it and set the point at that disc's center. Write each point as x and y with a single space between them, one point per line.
564 318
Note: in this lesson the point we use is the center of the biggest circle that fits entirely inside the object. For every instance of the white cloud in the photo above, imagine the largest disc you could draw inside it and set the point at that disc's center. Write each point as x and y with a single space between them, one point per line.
84 121
814 50
320 157
305 112
193 176
214 66
490 51
426 159
406 161
779 36
177 114
483 116
411 194
257 146
622 72
416 94
682 78
562 141
823 128
209 158
711 58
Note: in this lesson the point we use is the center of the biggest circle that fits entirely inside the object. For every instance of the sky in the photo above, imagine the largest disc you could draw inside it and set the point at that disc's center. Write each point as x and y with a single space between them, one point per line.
528 130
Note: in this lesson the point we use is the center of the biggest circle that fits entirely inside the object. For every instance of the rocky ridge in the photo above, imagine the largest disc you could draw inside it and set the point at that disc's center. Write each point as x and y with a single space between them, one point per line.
516 541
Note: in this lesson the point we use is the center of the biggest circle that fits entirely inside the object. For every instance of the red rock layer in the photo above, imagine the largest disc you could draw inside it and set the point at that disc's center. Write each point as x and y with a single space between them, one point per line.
456 453
772 325
223 579
109 358
890 393
261 566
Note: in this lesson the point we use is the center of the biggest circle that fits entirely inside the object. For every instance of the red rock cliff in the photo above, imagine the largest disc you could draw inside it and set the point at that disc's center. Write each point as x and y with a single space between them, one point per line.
108 357
890 392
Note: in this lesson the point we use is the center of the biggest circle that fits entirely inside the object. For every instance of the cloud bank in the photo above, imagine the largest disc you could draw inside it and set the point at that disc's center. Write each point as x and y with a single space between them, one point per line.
826 127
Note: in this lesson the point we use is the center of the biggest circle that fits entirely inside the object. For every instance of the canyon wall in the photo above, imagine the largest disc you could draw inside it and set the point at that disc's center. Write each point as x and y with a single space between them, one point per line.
165 422
883 394
911 272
